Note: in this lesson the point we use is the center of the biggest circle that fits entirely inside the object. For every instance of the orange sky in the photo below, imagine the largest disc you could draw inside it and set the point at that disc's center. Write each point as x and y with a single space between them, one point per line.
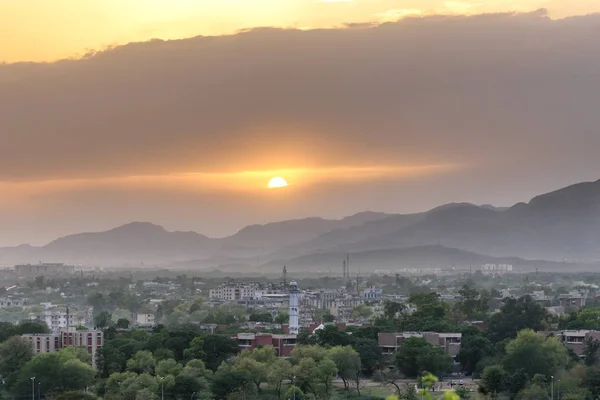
42 30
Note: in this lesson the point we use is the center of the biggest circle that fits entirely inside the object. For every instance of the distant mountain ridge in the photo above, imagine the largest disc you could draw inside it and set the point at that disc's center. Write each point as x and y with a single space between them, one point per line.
556 226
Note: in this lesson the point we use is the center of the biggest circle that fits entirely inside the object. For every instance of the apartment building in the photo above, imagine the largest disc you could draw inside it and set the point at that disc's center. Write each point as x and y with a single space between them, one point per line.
391 342
233 292
283 344
45 343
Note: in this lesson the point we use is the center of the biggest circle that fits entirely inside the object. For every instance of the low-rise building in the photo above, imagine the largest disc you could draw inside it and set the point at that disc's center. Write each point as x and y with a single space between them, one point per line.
10 302
283 344
573 301
391 342
144 319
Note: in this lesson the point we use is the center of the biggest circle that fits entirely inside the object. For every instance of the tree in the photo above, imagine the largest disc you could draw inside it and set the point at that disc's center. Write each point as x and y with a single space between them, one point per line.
123 323
54 372
591 351
535 354
463 393
417 355
76 396
278 371
493 380
14 354
473 349
185 385
218 348
196 368
264 355
142 362
256 370
195 350
389 377
317 353
369 352
331 335
592 381
103 320
324 374
227 380
392 309
347 362
407 356
282 318
435 360
168 367
260 317
294 392
533 392
362 311
514 316
469 304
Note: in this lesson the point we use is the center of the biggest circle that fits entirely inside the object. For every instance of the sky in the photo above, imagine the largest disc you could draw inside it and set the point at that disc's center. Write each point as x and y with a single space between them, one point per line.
356 109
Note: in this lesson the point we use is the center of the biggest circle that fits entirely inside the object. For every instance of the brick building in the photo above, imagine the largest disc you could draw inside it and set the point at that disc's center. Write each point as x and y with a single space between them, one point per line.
283 344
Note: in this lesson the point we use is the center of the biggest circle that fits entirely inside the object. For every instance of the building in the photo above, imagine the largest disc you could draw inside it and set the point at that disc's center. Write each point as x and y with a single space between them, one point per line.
233 292
283 344
371 293
573 301
496 268
91 340
56 320
144 319
294 324
391 342
44 343
44 269
8 303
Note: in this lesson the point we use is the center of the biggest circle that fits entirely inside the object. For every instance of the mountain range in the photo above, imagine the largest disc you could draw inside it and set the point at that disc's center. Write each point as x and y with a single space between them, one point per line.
559 227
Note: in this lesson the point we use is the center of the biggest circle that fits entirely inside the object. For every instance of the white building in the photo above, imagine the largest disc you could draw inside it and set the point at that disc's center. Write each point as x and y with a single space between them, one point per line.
144 319
56 320
232 292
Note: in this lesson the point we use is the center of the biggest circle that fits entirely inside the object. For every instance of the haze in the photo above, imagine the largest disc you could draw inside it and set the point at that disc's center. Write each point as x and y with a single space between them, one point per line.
397 117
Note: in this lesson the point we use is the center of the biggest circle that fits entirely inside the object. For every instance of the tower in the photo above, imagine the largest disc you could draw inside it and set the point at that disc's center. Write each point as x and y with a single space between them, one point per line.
284 276
344 269
347 266
294 316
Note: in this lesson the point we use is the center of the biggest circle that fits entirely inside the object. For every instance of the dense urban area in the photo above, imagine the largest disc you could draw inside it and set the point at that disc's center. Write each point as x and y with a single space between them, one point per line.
75 333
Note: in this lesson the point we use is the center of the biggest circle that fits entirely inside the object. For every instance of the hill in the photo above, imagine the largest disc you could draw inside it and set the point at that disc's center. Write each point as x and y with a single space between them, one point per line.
563 225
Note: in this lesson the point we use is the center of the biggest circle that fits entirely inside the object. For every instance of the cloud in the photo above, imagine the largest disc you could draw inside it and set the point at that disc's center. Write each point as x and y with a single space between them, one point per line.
510 97
431 90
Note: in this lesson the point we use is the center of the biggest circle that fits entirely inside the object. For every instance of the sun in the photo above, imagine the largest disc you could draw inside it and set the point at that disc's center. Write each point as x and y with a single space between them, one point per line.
277 182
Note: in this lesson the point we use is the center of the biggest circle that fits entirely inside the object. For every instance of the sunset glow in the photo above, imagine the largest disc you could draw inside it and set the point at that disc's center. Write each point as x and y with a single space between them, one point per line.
277 182
71 28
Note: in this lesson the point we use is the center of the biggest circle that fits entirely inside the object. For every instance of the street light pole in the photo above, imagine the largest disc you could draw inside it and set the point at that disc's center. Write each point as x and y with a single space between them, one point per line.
552 390
39 390
162 387
33 388
192 396
294 384
558 390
